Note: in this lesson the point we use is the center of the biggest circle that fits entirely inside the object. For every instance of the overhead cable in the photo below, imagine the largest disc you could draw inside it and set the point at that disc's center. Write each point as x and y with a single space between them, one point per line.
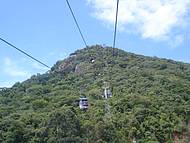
25 53
76 22
116 21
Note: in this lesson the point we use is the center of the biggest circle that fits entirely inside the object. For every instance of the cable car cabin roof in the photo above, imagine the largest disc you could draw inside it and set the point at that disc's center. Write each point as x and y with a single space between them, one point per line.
83 98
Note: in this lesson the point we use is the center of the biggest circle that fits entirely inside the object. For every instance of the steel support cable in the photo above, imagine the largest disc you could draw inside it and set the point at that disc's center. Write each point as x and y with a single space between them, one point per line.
114 43
23 52
115 30
76 22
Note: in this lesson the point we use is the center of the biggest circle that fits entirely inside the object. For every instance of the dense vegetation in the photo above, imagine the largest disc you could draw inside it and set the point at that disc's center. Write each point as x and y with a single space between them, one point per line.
150 103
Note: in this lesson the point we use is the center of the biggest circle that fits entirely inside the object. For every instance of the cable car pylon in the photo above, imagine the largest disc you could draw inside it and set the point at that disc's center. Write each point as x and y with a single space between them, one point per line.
107 91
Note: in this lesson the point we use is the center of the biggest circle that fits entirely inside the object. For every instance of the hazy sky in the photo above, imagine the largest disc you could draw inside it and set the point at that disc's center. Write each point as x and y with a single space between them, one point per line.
45 29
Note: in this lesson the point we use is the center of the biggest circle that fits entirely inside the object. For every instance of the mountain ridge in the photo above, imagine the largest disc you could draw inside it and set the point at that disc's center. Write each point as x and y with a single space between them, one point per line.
150 102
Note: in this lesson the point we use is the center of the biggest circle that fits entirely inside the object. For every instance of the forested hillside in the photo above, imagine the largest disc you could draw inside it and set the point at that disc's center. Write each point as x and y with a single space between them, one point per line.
150 103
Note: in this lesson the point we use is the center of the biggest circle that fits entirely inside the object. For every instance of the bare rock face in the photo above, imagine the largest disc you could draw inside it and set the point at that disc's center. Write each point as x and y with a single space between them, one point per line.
75 63
81 68
67 65
77 69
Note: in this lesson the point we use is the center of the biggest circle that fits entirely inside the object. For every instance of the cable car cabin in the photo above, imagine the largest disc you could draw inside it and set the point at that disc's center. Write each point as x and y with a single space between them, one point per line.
83 103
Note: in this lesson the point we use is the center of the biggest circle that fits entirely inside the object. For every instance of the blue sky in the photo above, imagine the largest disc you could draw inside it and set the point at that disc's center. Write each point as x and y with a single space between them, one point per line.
45 29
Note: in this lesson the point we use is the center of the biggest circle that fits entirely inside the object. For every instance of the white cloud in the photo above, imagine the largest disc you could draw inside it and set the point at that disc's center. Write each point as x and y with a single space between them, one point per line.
11 69
154 19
